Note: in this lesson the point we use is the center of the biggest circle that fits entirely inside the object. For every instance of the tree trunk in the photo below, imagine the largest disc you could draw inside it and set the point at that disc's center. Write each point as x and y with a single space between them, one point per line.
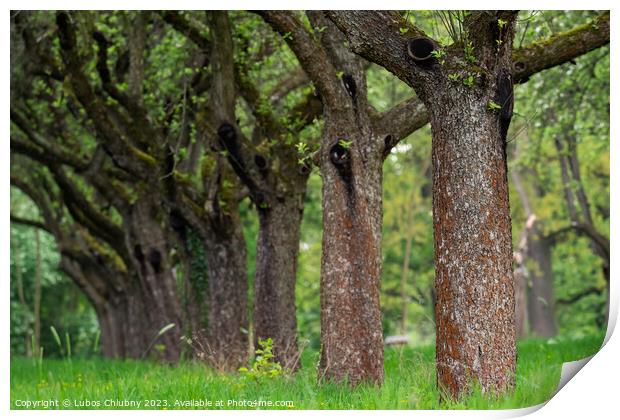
37 296
351 331
227 339
147 239
467 89
520 298
404 296
541 300
22 299
134 309
475 308
112 337
274 282
116 299
195 284
533 274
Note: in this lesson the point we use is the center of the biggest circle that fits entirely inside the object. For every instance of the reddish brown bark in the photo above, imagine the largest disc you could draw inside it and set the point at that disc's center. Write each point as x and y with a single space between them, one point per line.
351 333
473 247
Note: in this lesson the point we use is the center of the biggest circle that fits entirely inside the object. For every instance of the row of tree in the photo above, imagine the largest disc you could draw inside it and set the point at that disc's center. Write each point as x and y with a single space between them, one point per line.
137 136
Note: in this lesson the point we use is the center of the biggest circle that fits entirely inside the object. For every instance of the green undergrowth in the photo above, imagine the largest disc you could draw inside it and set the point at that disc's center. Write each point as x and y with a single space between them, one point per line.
410 382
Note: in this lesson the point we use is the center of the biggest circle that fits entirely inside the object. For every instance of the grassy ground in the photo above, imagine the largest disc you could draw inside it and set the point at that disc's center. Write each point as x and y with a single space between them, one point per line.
409 382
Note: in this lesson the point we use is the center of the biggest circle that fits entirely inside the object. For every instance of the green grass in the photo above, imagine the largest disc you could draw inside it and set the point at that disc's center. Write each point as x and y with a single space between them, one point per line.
409 381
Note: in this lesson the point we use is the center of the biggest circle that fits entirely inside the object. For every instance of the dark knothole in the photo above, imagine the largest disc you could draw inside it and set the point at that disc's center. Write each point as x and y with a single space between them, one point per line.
349 85
338 154
388 141
177 223
100 38
505 99
304 169
227 134
420 48
260 162
519 66
155 259
137 252
98 258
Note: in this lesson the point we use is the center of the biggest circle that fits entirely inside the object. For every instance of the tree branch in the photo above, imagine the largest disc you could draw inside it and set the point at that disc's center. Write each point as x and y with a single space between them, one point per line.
561 48
39 199
85 213
28 222
376 36
400 121
588 231
311 55
116 144
184 26
589 291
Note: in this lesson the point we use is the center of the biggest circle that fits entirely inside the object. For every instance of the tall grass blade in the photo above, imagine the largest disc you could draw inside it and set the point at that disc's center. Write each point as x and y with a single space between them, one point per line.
56 338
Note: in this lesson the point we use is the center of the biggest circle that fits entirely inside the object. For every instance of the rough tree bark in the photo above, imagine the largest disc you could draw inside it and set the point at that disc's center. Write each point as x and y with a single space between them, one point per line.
119 310
137 159
353 146
471 212
228 287
149 243
276 185
274 282
469 113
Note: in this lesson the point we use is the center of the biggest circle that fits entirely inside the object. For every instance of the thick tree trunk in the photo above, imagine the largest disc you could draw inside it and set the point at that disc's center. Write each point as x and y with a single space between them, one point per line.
351 332
274 282
227 338
541 300
117 301
147 240
475 309
112 323
404 296
534 296
520 298
124 319
136 327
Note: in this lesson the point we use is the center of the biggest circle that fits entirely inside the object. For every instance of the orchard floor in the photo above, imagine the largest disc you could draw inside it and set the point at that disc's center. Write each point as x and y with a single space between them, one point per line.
409 383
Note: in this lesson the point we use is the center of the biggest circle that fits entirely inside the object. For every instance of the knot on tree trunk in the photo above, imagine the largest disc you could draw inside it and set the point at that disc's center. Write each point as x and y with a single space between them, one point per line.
420 48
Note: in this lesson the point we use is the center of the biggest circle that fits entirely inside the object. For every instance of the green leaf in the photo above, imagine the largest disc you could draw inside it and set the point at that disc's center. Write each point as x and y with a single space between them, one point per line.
493 106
